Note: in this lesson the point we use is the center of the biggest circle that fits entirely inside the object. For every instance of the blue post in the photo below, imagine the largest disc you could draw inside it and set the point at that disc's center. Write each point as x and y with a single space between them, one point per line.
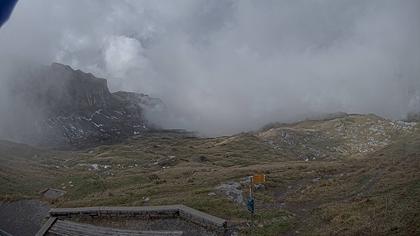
251 205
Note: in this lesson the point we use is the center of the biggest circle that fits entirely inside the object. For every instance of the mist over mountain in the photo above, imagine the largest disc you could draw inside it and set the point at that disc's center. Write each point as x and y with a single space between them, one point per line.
61 107
210 117
227 66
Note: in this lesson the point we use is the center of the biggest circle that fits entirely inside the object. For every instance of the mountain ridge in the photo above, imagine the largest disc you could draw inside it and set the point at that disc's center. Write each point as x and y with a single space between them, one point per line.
71 108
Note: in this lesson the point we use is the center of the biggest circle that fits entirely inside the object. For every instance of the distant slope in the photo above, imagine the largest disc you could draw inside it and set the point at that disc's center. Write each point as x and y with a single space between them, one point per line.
383 194
335 138
21 169
356 193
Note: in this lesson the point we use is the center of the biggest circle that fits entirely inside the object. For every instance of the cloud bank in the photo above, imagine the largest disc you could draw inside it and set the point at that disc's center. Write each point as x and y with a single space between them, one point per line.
226 66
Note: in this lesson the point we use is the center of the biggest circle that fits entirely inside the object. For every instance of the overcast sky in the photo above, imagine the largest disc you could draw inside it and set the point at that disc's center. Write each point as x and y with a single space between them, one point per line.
226 66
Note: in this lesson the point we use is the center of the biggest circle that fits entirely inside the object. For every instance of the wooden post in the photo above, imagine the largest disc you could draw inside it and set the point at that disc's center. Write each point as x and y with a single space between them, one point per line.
251 200
255 179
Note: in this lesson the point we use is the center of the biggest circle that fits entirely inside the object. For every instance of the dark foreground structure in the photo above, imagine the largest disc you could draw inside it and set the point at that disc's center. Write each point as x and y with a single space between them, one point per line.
127 221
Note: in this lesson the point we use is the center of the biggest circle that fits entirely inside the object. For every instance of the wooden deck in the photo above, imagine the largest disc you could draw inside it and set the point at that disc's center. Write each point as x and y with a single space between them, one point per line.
69 228
168 211
60 222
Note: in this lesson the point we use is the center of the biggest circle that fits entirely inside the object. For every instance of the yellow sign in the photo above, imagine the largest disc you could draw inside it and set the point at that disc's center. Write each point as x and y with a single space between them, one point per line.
258 178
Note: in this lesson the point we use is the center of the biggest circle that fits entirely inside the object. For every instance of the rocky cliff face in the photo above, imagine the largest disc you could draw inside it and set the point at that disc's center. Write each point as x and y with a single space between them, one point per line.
70 107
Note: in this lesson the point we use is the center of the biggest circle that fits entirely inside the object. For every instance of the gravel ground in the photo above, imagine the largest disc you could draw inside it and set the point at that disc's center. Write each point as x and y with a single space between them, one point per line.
23 217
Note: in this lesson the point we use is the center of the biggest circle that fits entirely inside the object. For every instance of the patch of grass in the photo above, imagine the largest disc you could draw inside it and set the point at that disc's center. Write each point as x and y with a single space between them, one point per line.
375 193
271 223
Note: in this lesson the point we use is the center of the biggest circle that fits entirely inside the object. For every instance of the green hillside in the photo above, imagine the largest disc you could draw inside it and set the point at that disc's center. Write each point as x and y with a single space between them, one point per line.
351 175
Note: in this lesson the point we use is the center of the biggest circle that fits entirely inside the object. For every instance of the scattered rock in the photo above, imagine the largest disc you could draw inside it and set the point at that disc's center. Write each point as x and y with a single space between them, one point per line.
246 181
316 179
51 193
316 140
165 162
153 177
259 187
233 190
96 167
201 158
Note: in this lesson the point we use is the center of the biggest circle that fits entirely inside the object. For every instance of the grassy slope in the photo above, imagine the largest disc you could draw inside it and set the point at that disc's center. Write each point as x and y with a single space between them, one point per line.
353 194
23 170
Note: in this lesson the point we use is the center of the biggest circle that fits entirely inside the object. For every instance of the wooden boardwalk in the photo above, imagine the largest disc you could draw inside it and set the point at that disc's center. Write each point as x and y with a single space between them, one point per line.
149 212
64 227
60 222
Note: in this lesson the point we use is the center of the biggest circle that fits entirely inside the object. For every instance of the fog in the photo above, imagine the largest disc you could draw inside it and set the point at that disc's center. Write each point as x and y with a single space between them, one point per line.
226 66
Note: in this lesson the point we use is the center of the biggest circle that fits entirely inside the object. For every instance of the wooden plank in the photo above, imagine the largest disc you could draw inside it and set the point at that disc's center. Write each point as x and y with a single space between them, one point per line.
68 228
44 229
201 217
168 211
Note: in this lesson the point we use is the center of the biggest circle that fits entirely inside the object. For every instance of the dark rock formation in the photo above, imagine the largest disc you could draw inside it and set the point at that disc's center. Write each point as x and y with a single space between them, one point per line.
70 107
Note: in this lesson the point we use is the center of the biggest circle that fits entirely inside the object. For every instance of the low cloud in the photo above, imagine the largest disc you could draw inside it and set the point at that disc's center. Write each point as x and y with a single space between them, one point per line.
233 65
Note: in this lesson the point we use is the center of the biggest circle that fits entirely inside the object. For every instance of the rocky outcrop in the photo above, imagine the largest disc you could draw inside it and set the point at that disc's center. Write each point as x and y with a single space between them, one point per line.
71 107
335 138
